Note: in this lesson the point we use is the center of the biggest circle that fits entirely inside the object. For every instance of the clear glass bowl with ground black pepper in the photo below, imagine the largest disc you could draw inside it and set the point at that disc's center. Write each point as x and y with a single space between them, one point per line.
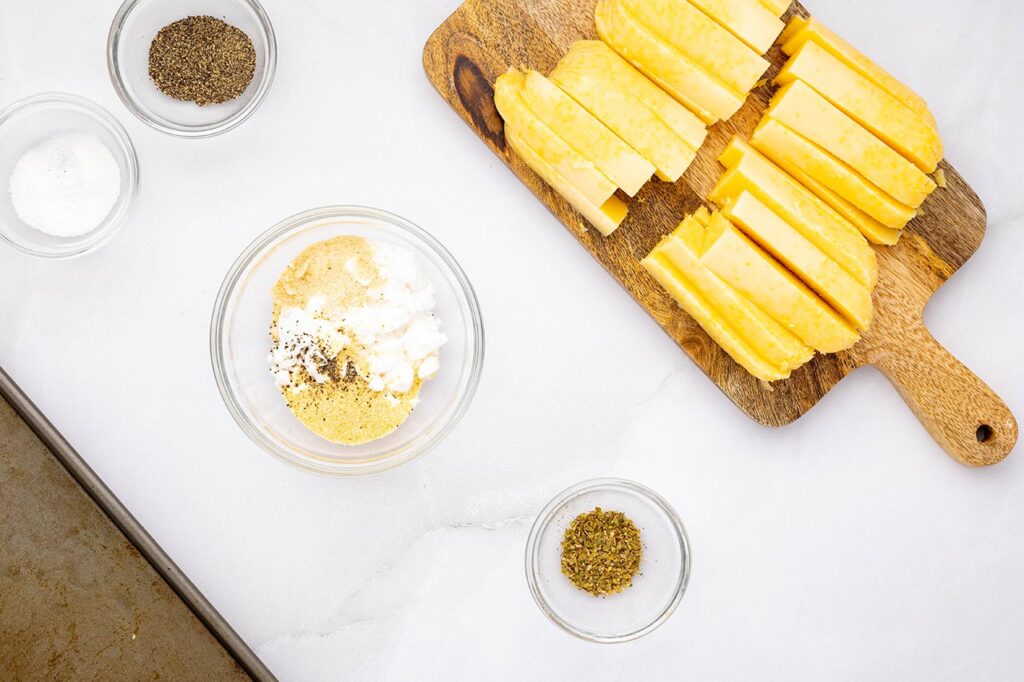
240 344
193 68
650 595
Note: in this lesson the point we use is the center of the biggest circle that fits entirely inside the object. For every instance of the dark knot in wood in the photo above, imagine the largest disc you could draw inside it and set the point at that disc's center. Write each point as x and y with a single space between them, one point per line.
477 96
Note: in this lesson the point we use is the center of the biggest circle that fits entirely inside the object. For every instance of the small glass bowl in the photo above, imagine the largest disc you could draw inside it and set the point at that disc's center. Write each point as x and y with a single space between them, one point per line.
656 589
133 29
240 344
33 120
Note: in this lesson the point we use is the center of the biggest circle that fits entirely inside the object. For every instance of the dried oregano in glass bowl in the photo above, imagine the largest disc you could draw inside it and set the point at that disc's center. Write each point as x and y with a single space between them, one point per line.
607 560
601 552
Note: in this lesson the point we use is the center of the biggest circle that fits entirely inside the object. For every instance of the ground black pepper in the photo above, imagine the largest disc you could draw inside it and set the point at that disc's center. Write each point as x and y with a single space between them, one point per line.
202 59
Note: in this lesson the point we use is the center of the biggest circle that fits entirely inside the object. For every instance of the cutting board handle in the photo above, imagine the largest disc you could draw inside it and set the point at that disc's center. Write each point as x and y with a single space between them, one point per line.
957 408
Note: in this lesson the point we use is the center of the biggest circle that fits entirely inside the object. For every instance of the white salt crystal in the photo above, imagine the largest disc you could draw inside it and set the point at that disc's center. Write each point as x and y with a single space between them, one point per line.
65 186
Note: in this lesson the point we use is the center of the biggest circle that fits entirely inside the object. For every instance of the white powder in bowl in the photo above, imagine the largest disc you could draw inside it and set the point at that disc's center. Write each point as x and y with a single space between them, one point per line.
397 325
66 185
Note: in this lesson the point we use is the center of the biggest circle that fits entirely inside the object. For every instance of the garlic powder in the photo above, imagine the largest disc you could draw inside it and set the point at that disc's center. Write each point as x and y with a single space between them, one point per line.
397 326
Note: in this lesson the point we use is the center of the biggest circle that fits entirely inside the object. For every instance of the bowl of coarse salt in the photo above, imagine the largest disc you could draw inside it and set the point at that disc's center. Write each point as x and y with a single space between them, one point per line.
69 172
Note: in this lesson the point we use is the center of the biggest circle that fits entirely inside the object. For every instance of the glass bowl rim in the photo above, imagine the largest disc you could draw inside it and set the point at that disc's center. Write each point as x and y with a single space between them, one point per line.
125 202
267 239
195 132
546 516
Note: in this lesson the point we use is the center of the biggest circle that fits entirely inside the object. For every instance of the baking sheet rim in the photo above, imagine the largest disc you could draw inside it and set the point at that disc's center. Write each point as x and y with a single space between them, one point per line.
133 530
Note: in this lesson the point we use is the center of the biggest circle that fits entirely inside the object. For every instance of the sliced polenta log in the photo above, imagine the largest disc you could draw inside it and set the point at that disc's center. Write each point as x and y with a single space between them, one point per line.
703 40
627 116
690 300
587 189
677 74
582 174
777 7
766 336
595 57
785 147
765 282
800 31
750 327
841 241
748 20
587 135
606 217
803 110
822 274
874 108
793 28
703 216
874 231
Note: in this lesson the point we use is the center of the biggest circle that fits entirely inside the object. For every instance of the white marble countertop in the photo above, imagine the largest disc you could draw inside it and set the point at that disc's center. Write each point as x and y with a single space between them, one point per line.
845 546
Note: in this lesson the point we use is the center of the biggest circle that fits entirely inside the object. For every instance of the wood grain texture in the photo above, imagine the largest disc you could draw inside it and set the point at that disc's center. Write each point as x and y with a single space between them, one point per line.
483 38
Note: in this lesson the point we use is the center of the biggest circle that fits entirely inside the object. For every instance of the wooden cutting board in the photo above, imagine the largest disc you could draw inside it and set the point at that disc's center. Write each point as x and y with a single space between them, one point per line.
483 38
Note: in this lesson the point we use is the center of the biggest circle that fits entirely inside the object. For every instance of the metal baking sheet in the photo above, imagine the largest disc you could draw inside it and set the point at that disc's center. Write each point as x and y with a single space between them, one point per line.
85 592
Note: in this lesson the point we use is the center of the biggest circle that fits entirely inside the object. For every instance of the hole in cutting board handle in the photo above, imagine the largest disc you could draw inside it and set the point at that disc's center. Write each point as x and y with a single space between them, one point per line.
984 433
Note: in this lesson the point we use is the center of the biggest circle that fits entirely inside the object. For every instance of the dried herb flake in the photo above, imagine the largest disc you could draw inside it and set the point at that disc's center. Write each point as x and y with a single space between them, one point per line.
601 552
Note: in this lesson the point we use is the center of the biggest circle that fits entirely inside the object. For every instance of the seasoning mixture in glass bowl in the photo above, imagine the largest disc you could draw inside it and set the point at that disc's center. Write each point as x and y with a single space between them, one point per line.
354 337
371 304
